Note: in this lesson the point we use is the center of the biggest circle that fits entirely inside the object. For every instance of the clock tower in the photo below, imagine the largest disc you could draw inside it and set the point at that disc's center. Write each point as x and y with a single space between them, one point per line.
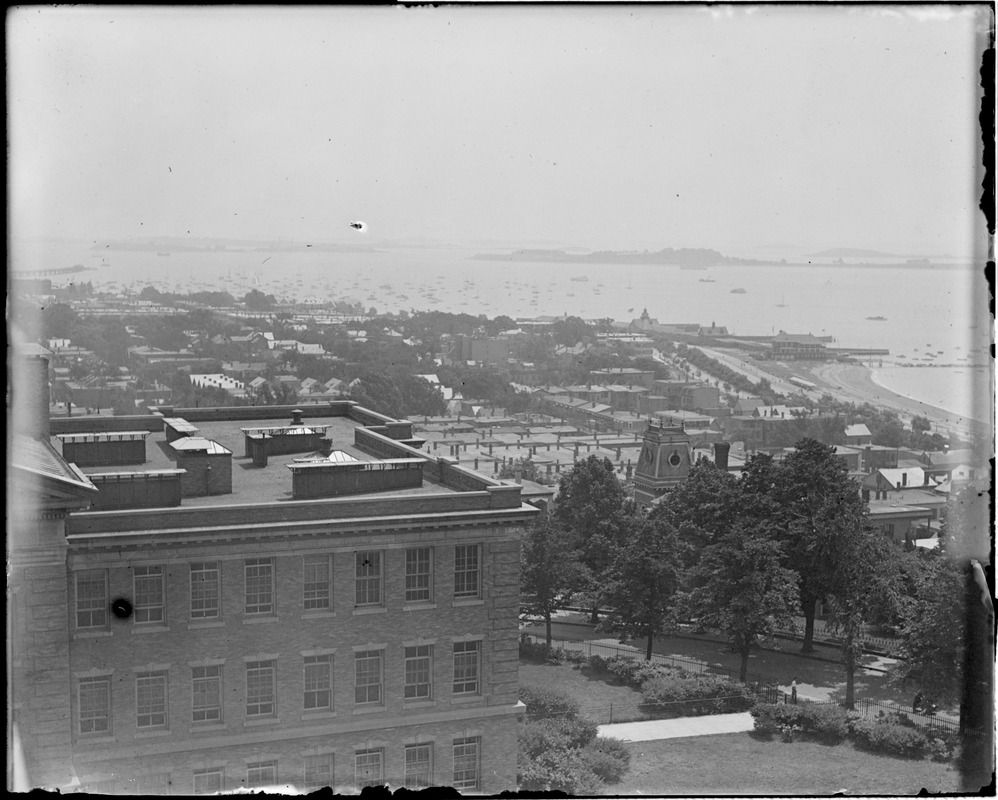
664 461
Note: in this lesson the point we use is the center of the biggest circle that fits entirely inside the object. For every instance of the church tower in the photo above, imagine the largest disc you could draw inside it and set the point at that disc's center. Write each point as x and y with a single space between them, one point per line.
664 461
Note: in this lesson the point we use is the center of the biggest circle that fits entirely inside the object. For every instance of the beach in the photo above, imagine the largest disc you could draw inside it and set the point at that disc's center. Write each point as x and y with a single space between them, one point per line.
851 383
854 383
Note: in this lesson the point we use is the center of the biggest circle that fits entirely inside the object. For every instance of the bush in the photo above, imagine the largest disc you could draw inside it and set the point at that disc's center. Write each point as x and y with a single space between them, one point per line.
825 723
889 738
700 694
608 758
536 652
546 703
578 732
607 768
558 769
613 746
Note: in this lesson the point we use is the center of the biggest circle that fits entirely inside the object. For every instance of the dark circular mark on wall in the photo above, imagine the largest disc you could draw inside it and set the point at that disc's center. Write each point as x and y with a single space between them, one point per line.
121 608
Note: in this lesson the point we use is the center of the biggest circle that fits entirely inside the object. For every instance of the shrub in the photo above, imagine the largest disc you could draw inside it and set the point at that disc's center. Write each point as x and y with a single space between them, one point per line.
576 657
942 746
559 770
544 703
613 746
536 738
889 738
536 652
700 694
578 732
606 767
826 723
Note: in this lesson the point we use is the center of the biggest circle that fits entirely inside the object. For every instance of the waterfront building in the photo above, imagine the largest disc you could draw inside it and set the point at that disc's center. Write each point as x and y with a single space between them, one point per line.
797 347
261 596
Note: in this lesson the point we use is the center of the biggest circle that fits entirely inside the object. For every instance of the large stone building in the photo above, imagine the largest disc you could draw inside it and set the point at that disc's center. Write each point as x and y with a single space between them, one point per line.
340 609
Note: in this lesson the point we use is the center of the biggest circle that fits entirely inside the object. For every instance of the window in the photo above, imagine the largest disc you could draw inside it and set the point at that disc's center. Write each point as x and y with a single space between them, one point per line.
368 768
206 688
204 590
318 683
91 599
95 705
259 586
466 667
466 763
261 773
418 672
418 575
149 594
319 770
418 765
317 582
260 688
367 673
208 781
368 583
467 572
150 700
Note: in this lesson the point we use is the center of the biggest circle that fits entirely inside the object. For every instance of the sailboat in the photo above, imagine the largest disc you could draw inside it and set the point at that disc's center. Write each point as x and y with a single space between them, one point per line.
782 304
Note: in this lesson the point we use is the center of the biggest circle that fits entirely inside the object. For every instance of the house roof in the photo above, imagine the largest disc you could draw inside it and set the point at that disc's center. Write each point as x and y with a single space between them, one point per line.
857 430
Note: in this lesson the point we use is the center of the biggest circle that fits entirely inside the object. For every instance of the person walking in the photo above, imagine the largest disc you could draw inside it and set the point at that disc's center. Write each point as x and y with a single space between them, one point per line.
793 690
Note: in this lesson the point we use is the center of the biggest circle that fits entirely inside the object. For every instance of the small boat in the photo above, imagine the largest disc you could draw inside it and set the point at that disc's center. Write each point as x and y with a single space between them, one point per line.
738 291
878 319
707 280
581 279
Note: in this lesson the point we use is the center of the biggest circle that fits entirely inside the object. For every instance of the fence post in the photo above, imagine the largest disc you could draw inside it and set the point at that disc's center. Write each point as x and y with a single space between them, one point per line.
611 713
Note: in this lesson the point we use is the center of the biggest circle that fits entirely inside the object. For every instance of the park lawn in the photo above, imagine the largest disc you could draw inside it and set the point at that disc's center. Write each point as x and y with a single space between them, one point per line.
738 763
594 695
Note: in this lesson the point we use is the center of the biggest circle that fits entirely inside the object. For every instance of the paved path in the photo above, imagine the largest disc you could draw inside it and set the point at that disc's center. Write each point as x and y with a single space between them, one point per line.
653 729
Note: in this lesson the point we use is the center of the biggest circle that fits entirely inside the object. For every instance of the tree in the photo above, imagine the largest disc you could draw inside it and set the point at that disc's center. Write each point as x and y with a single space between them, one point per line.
814 497
740 588
921 424
702 507
930 655
591 506
549 571
864 576
643 580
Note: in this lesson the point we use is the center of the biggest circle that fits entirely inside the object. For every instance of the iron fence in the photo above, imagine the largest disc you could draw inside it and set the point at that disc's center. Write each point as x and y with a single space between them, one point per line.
763 686
692 665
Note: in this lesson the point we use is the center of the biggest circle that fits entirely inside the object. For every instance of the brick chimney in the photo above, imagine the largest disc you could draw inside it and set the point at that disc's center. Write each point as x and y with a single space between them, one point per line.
30 390
721 455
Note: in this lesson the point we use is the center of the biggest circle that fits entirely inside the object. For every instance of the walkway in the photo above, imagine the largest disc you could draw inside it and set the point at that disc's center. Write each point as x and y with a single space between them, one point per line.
654 729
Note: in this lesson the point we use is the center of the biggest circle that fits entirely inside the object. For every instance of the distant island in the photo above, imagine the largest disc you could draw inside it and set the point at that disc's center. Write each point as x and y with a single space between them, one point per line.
852 252
683 257
166 244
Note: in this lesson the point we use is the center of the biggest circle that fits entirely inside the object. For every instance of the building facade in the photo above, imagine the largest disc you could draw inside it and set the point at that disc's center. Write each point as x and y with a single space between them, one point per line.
252 639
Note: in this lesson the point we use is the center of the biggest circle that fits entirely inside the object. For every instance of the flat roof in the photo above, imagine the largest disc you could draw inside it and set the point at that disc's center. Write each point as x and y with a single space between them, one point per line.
250 483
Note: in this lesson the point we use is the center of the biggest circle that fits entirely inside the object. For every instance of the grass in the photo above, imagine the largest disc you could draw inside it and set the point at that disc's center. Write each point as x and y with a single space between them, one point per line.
740 764
594 695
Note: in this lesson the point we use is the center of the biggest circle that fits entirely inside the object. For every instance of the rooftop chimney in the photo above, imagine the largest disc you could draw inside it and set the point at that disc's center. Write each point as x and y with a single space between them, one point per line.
296 417
721 455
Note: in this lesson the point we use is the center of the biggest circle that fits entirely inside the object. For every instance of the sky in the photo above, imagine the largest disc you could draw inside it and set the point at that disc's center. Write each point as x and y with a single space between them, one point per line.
741 128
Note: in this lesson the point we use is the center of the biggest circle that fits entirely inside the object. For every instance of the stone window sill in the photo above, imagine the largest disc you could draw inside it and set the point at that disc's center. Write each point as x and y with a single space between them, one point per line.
468 601
261 721
259 620
150 629
370 610
88 634
310 715
419 606
194 624
317 614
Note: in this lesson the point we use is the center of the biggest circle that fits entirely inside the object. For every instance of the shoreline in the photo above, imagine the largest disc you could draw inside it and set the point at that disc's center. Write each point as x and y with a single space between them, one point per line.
856 383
